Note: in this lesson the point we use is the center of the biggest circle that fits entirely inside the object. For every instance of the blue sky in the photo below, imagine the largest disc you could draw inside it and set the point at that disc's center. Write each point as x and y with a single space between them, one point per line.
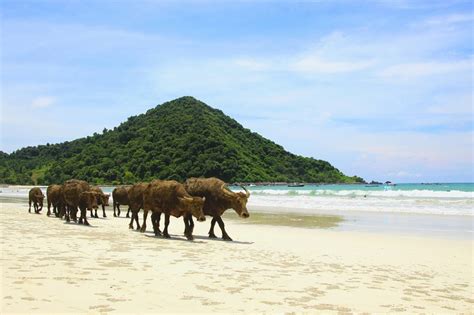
381 89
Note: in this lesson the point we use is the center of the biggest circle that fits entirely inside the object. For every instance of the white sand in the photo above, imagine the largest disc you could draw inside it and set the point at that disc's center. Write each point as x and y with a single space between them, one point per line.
48 266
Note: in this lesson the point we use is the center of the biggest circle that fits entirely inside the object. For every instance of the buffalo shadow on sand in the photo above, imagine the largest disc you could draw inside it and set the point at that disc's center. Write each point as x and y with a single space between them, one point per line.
75 223
174 237
201 237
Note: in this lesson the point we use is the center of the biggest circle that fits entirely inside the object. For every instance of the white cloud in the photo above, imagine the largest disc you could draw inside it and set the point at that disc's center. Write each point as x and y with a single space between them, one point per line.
43 101
316 64
332 54
448 19
405 174
421 69
252 64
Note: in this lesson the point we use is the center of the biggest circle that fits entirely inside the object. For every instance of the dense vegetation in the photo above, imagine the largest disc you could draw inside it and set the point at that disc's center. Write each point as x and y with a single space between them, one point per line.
175 140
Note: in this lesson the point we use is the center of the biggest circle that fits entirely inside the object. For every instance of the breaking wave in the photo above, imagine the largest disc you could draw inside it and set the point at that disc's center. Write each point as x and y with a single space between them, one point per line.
367 193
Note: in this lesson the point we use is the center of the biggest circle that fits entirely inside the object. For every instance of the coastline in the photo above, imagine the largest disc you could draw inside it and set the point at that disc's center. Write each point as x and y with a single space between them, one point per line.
401 216
50 266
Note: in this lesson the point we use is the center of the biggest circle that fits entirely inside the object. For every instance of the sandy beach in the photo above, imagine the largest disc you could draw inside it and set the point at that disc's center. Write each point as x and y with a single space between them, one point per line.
49 266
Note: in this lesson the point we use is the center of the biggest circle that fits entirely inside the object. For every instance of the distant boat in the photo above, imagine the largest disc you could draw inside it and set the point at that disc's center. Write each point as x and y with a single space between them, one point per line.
295 185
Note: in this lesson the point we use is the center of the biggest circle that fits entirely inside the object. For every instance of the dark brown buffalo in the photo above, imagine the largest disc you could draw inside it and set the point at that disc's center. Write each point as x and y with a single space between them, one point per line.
55 199
120 196
170 197
77 194
87 200
36 197
135 199
218 199
102 199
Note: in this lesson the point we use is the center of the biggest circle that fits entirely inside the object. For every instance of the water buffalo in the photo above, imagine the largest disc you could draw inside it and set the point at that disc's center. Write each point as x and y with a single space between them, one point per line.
170 197
120 196
135 198
102 199
218 199
36 197
77 194
55 199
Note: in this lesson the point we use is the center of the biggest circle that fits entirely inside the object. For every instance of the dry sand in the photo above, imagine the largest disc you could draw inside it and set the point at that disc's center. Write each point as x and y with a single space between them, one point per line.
51 267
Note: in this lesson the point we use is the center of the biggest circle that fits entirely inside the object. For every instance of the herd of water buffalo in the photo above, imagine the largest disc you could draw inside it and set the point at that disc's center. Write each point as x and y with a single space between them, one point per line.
197 197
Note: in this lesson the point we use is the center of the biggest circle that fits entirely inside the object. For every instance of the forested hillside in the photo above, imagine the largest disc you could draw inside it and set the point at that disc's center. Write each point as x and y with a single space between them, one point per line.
176 140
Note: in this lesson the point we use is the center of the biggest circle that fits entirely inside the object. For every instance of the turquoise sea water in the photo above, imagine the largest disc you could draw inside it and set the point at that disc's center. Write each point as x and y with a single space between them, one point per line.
444 187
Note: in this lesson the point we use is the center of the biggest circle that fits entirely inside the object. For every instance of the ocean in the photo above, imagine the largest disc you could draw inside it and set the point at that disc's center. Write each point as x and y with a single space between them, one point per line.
442 199
444 210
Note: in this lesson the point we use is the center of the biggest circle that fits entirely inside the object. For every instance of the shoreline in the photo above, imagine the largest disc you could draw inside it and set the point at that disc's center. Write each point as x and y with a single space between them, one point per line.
266 269
440 226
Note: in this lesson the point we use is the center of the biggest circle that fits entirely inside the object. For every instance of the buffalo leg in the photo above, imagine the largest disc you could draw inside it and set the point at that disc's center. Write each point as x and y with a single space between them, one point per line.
136 220
73 213
65 211
29 208
158 219
145 215
167 222
103 212
134 217
49 207
92 213
188 224
84 216
211 230
61 211
225 236
128 212
185 220
155 220
191 224
188 227
118 209
80 215
130 225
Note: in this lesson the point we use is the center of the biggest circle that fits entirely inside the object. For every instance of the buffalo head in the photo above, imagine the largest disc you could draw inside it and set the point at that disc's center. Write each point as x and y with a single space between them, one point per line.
194 205
238 200
89 199
105 199
40 198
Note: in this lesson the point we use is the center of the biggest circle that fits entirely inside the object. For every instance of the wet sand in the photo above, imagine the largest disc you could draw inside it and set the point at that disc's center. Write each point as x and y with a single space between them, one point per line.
49 266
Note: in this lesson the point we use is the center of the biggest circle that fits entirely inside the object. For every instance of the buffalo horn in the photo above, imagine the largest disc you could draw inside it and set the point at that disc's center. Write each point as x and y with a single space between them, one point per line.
226 191
187 198
246 191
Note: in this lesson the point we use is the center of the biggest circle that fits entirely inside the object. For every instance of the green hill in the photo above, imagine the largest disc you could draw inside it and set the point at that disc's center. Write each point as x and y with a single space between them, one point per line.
175 140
